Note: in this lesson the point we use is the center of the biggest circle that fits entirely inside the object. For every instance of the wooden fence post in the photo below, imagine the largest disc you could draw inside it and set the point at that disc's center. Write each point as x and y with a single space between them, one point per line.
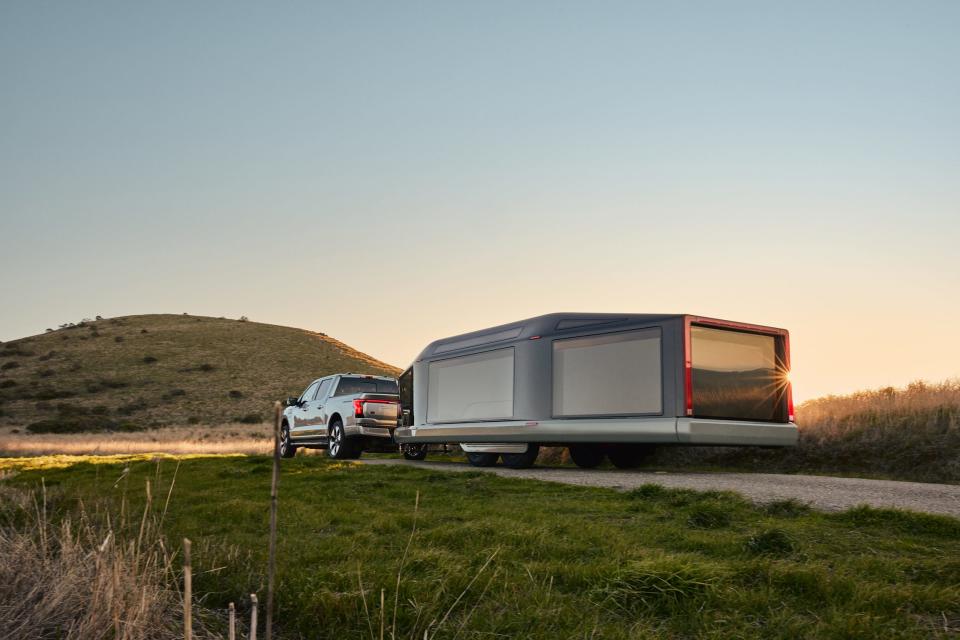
274 487
187 592
232 626
253 616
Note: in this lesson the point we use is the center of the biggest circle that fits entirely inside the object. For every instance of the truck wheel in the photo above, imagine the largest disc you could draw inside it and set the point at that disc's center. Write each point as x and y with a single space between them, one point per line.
414 451
629 456
287 450
482 459
523 460
586 456
339 446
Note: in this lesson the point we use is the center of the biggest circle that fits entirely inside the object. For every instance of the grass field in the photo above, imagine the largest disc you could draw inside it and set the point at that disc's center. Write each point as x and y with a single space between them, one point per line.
496 557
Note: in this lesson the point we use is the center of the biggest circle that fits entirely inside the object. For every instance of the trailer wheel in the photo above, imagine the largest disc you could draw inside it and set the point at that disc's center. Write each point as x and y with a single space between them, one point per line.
586 456
629 456
414 451
287 450
482 459
523 460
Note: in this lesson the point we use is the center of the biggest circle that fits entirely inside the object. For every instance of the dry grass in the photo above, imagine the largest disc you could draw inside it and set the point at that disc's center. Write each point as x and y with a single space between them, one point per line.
158 370
94 575
221 439
910 433
920 406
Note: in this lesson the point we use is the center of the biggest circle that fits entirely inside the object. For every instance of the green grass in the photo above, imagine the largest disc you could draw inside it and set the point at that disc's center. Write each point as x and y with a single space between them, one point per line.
503 557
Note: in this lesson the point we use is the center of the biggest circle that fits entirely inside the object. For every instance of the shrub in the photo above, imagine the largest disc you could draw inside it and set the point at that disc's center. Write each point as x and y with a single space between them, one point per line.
206 367
9 365
250 418
118 339
47 356
144 331
149 359
236 394
8 384
46 373
193 420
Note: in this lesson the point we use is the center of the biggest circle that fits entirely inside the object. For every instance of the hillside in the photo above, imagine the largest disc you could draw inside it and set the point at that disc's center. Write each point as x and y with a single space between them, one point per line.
143 371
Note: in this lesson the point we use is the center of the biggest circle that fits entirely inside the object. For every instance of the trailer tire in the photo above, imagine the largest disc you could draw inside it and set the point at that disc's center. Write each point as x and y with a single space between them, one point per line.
287 450
629 456
414 451
587 456
523 460
482 459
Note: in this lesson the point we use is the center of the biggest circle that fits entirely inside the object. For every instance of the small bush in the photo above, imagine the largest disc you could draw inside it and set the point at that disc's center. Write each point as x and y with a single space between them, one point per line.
149 359
236 394
193 420
8 384
118 339
47 356
206 367
9 365
132 407
173 393
770 542
46 373
250 418
144 331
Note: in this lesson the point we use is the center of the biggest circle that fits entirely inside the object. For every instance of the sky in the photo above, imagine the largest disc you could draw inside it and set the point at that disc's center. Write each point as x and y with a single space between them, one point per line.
393 173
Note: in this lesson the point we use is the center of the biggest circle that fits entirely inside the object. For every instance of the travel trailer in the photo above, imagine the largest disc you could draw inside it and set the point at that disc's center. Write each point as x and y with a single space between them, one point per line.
605 385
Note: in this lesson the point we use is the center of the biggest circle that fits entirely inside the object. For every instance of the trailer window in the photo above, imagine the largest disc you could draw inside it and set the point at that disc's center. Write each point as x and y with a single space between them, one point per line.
474 387
735 375
611 374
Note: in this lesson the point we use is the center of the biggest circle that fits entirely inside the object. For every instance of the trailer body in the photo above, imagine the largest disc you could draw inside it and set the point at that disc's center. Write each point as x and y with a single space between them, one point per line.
567 378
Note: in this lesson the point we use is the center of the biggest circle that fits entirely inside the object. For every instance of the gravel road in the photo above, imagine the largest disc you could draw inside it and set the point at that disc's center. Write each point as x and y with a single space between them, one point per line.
821 492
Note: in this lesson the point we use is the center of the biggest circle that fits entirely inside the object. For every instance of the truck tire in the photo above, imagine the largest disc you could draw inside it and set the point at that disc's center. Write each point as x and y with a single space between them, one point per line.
523 460
629 456
587 456
482 459
339 446
414 451
287 450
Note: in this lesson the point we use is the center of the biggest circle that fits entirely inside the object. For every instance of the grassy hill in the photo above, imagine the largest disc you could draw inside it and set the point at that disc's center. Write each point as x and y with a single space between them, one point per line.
143 371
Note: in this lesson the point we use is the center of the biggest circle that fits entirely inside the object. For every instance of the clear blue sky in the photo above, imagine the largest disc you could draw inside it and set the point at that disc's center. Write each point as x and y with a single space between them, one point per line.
393 173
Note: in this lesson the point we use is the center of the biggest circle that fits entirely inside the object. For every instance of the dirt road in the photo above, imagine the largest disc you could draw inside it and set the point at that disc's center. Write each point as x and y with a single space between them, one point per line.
821 492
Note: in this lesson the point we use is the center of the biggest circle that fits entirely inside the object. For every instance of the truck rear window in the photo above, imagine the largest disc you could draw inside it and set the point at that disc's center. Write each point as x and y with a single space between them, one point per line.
351 386
736 375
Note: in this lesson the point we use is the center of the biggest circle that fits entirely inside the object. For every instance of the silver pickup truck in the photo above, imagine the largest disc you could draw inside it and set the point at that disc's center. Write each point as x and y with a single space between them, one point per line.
345 413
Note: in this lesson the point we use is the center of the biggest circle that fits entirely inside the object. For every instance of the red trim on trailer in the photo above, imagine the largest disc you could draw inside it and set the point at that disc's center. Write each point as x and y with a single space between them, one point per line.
687 366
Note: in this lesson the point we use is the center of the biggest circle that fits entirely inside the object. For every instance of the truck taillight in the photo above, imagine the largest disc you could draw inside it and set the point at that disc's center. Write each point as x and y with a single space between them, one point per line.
358 408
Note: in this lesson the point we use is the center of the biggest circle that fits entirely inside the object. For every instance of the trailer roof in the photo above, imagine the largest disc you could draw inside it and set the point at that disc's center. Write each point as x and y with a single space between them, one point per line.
542 326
